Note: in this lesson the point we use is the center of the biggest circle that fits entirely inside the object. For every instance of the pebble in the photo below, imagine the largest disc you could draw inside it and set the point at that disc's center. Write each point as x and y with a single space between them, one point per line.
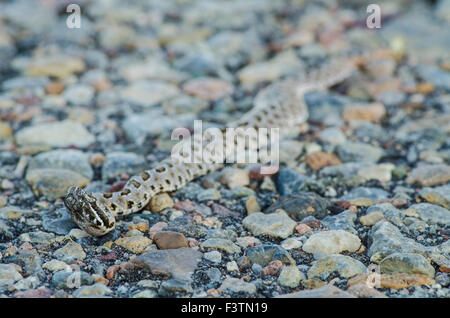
172 287
148 93
208 88
54 183
232 267
160 202
221 244
71 279
344 266
331 242
69 159
37 237
320 159
169 240
234 178
180 263
135 244
209 195
395 281
387 239
58 134
236 285
5 131
55 265
342 221
437 195
431 213
277 224
364 112
291 243
79 94
352 151
290 276
9 274
96 290
252 205
301 205
429 175
59 66
371 219
58 222
213 256
366 193
70 252
266 253
408 263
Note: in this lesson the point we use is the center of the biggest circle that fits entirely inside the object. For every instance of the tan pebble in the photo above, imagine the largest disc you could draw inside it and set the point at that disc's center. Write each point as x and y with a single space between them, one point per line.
160 202
5 130
54 88
97 159
372 218
135 244
252 205
320 159
142 226
169 240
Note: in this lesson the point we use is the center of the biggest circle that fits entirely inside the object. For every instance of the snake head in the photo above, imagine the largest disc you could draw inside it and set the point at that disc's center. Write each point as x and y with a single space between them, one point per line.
86 213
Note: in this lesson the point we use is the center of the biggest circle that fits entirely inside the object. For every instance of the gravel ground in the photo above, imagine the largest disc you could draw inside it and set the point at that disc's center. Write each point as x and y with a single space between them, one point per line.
361 199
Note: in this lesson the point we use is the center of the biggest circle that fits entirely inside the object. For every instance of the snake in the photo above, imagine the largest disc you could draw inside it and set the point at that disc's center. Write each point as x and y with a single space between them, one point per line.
278 105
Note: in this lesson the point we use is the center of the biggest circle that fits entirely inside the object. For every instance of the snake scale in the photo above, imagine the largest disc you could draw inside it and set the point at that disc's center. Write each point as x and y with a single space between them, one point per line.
279 105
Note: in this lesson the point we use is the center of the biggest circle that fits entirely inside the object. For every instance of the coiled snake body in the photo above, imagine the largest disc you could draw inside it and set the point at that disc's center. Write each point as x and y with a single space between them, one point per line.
279 105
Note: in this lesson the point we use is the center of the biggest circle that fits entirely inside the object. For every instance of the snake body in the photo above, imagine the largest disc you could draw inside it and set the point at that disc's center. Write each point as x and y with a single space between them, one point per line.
279 105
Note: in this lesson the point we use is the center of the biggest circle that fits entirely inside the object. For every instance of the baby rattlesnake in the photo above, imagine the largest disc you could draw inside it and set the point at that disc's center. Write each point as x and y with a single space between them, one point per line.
279 105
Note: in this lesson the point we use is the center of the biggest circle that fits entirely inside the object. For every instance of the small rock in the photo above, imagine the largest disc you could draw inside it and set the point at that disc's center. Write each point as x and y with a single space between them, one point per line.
264 254
169 240
69 252
344 266
58 134
252 205
358 152
429 175
135 244
301 205
320 159
160 202
290 276
172 287
291 243
368 112
54 183
148 93
207 88
221 244
331 242
371 219
96 290
437 195
54 265
213 256
180 262
395 281
277 224
236 285
408 263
